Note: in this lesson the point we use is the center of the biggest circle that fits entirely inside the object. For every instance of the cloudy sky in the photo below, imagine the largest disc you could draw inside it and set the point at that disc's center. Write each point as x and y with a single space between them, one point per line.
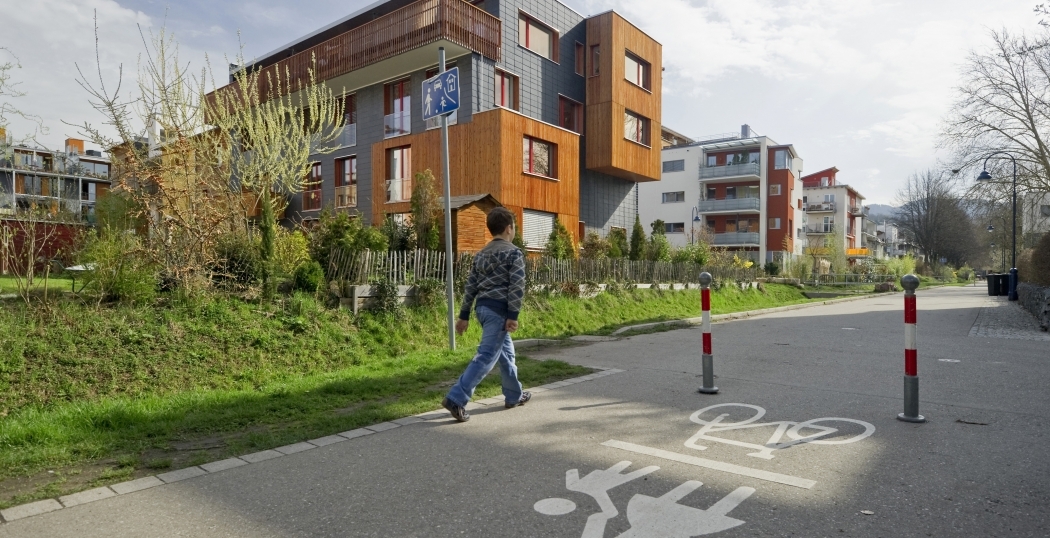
857 84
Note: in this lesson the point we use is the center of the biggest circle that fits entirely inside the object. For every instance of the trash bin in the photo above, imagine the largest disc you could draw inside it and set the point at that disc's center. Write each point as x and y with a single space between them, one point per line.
1004 284
992 287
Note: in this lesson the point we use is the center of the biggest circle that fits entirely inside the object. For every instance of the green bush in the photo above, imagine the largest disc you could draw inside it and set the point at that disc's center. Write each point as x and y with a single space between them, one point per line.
594 247
290 250
772 269
637 249
1036 263
399 236
239 259
122 271
342 231
697 253
559 244
309 277
618 246
430 293
385 297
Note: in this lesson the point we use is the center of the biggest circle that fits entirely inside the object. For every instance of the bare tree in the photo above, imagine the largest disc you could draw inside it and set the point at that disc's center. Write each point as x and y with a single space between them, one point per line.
934 217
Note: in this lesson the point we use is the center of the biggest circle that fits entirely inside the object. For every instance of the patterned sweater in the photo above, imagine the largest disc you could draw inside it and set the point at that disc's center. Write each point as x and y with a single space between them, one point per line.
497 279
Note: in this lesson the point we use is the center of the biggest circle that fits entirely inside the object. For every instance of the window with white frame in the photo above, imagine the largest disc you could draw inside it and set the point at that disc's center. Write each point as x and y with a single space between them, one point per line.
673 197
399 174
712 160
674 227
636 70
774 223
782 159
674 166
774 190
636 127
538 157
537 37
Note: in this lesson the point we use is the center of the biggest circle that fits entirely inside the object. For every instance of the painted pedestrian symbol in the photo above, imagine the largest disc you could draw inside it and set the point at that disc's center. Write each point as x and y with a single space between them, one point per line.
818 431
650 517
441 94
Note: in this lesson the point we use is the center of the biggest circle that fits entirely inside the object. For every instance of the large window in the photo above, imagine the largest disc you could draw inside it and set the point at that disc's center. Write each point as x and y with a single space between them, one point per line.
346 182
636 128
774 223
674 227
399 174
596 52
674 166
636 70
397 109
453 118
537 37
506 90
312 189
539 157
712 160
349 137
579 58
730 193
673 197
782 159
570 114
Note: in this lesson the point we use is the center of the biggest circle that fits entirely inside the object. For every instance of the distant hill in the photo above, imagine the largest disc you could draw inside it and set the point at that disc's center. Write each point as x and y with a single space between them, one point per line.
880 212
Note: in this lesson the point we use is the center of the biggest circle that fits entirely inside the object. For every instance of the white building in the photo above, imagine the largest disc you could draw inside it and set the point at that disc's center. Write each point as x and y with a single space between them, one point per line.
835 210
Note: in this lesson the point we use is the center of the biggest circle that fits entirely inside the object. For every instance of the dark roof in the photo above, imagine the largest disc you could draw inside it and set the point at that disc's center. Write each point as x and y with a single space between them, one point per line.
459 202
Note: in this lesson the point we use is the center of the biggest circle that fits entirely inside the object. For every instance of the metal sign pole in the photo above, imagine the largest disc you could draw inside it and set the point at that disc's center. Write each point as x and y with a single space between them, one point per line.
448 217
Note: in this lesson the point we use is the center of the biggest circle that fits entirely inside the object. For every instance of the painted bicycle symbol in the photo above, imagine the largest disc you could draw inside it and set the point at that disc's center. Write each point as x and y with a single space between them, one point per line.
818 431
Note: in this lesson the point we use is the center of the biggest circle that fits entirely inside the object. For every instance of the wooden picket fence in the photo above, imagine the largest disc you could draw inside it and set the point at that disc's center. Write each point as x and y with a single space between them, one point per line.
410 266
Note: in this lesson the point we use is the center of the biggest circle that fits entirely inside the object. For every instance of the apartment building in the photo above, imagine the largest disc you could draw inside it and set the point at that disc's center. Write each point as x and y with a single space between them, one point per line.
742 190
1034 209
557 121
69 181
835 212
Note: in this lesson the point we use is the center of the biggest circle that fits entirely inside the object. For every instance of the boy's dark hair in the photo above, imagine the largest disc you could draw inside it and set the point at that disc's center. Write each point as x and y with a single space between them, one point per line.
498 220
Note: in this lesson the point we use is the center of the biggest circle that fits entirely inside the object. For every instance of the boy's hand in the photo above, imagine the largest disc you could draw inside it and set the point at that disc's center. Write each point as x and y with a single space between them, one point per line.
461 326
511 326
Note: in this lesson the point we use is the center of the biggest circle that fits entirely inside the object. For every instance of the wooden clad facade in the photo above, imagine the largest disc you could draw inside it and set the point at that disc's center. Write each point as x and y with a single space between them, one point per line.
610 95
486 157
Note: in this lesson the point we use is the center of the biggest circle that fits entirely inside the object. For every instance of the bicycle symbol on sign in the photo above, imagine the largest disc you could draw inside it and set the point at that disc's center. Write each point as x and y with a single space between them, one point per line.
818 431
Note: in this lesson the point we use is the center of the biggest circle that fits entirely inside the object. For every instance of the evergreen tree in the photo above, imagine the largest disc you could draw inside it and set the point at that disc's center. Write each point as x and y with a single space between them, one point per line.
618 247
559 243
637 240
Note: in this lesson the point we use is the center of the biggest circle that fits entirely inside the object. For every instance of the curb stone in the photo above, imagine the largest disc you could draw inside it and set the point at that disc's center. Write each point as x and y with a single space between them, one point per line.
123 488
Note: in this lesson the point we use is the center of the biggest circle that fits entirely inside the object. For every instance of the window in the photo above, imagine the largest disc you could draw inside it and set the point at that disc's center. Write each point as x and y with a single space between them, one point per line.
87 192
312 189
745 225
798 233
711 225
730 225
781 159
636 70
774 223
579 59
774 190
435 122
536 227
742 157
805 200
595 55
397 109
570 114
673 197
674 166
506 90
674 227
730 193
537 37
349 137
830 198
399 174
712 160
346 182
824 182
538 157
710 193
636 128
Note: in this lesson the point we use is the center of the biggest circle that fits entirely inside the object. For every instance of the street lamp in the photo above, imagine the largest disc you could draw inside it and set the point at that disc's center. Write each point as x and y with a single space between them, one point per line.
692 225
985 176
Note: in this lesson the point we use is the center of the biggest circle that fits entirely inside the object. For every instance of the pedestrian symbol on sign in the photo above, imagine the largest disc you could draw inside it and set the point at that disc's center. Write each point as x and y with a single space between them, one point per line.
441 94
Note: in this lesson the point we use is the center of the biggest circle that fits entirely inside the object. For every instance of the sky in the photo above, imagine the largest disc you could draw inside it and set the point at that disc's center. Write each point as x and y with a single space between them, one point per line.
862 85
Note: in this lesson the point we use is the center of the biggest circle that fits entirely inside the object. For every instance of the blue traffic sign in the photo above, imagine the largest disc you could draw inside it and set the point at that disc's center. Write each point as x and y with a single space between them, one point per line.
441 94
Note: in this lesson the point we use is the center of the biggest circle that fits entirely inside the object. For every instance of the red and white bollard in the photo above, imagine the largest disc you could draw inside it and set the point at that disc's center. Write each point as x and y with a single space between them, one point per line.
911 356
707 360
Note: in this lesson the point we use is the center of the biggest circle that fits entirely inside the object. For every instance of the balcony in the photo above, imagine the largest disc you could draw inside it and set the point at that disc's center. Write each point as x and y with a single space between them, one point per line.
822 207
856 211
736 238
398 123
821 228
858 252
729 171
736 205
346 196
404 34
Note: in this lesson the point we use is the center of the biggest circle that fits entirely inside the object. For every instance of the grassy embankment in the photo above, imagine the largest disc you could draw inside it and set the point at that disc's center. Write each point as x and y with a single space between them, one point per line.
92 396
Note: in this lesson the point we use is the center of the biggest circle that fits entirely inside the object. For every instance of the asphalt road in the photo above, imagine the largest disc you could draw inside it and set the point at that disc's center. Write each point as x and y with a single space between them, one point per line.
979 467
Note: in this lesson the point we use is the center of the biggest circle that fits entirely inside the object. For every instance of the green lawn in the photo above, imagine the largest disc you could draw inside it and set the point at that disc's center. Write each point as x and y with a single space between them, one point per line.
101 395
10 284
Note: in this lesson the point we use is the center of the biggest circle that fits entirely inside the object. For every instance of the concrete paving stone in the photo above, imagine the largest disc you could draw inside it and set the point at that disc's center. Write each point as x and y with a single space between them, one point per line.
85 497
537 390
491 401
407 420
431 415
382 426
222 465
31 509
181 474
472 406
356 433
327 440
262 455
296 447
559 384
138 484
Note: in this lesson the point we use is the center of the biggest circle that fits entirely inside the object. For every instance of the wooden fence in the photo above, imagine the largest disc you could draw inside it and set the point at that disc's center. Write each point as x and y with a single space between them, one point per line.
408 267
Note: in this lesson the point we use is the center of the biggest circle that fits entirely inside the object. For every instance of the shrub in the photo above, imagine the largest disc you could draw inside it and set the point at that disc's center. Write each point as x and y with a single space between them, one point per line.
697 253
618 246
772 269
1036 266
399 236
309 277
658 249
290 250
238 259
121 272
342 231
560 245
637 250
594 247
385 297
430 293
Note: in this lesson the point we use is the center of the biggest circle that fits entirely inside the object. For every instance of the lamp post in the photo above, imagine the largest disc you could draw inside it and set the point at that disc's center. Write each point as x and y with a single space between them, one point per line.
985 176
692 225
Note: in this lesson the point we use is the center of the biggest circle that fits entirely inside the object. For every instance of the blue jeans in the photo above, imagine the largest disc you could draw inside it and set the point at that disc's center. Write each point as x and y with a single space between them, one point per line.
495 346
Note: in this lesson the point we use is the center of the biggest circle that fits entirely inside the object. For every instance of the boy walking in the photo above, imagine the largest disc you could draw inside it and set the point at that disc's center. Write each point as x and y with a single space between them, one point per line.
495 288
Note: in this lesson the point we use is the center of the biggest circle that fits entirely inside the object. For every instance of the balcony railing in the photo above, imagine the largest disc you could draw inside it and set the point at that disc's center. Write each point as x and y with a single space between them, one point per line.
312 200
411 27
736 238
857 252
729 170
821 228
346 196
820 207
856 210
398 190
398 123
738 204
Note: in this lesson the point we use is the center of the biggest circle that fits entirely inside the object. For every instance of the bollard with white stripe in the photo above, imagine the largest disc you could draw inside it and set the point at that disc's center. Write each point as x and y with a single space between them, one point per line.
708 361
911 356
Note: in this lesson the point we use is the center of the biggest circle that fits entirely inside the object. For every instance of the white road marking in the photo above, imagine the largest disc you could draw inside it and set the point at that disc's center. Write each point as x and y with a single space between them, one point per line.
712 464
554 506
948 360
663 517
